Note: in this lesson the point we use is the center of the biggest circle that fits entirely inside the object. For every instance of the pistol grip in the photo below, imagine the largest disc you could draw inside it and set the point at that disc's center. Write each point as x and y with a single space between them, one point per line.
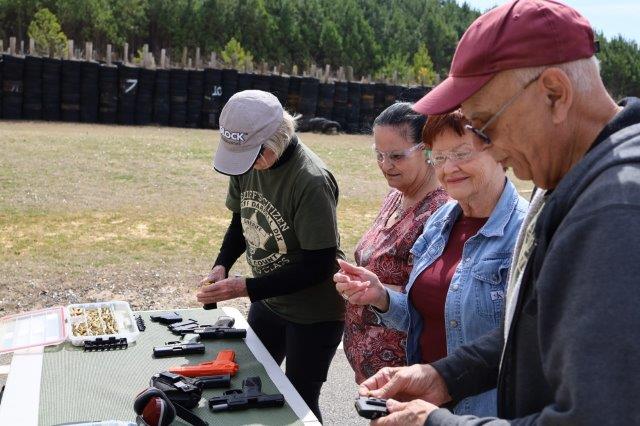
226 355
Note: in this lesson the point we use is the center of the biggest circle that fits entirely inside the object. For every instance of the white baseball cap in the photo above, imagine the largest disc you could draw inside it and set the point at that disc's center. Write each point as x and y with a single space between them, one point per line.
248 120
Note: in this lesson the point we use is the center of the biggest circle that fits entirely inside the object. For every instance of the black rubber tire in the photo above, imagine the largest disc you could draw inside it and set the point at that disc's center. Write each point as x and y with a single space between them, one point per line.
195 96
128 80
179 88
108 88
162 98
12 87
51 88
32 98
144 99
89 92
212 98
70 89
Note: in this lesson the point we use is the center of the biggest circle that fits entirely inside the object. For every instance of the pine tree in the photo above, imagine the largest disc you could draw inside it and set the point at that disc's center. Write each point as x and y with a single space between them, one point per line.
47 34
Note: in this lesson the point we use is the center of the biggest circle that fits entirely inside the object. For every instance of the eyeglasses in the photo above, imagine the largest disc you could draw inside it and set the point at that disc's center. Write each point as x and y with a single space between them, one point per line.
458 156
395 156
481 132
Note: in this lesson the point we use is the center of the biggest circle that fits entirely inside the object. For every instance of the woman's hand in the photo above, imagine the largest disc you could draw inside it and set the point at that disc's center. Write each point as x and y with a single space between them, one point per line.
226 289
360 286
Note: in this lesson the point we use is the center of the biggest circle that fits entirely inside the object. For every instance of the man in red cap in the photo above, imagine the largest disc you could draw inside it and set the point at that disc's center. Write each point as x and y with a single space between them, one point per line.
526 76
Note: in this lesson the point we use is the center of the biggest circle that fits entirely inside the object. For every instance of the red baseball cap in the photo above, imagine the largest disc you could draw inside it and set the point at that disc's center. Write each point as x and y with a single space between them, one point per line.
518 34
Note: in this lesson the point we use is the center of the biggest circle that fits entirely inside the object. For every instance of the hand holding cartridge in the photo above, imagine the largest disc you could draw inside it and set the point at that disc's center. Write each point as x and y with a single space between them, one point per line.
218 273
226 289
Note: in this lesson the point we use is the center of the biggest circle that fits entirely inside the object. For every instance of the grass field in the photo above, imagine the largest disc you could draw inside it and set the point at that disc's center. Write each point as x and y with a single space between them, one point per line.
93 212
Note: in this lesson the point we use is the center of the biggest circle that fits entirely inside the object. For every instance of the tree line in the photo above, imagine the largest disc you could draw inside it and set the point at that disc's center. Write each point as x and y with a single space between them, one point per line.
413 39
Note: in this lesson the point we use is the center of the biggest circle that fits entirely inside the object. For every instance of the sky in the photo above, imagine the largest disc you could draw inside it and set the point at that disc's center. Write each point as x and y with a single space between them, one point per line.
612 17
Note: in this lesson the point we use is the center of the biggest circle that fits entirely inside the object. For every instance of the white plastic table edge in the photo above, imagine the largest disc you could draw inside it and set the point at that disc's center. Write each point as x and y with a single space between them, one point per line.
274 371
21 398
16 408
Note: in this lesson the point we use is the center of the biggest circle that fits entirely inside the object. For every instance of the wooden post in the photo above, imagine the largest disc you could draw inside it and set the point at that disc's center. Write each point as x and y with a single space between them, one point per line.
88 51
394 77
32 46
184 57
163 57
12 45
294 70
125 58
108 54
145 56
69 53
349 73
1 45
212 60
22 47
189 63
198 58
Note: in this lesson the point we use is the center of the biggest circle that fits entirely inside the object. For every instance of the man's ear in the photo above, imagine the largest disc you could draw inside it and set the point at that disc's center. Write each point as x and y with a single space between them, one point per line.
558 91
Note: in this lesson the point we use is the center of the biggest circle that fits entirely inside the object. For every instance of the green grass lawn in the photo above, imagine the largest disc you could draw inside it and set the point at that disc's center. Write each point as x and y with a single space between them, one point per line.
93 212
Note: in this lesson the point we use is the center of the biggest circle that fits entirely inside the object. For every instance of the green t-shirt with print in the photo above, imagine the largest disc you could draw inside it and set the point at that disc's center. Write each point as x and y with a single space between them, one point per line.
284 210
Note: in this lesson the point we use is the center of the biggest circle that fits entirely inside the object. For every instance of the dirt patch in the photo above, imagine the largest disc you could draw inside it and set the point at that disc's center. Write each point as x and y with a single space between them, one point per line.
93 212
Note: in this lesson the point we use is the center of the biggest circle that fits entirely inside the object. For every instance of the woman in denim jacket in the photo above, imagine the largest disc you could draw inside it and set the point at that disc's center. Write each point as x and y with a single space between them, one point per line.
456 288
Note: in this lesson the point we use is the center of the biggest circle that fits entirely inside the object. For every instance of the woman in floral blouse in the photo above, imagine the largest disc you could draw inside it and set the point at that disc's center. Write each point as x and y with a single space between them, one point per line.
384 248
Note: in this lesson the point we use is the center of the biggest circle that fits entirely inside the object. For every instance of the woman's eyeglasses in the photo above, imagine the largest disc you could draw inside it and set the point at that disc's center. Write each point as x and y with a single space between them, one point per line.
395 156
438 158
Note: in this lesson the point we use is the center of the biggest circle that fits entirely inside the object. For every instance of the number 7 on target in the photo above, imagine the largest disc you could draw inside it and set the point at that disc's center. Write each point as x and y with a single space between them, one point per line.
131 84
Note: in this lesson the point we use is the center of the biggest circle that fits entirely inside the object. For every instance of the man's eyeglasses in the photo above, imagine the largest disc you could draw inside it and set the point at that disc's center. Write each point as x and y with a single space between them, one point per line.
481 132
395 156
459 156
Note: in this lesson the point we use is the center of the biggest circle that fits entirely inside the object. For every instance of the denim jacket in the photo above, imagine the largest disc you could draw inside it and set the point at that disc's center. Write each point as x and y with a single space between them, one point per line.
475 299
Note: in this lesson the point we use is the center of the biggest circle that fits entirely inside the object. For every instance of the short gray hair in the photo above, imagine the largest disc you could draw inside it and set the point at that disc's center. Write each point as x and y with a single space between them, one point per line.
282 137
583 73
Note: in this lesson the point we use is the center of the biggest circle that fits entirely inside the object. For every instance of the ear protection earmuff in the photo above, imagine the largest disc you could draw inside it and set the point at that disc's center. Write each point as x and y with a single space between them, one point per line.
154 408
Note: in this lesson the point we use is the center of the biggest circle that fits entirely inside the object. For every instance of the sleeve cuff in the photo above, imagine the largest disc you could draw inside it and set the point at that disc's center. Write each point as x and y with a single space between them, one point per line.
440 417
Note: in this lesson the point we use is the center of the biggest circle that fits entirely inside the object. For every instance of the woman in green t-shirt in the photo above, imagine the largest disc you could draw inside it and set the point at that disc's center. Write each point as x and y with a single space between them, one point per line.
283 203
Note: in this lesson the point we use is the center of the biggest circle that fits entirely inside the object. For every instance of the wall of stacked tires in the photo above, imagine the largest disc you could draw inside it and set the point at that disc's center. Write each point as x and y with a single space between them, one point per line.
35 88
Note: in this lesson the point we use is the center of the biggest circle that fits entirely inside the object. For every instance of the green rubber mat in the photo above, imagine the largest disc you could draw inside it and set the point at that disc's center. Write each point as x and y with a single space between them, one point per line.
89 386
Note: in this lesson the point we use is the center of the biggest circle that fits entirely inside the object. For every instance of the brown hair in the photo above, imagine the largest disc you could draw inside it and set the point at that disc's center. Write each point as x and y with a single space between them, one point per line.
438 124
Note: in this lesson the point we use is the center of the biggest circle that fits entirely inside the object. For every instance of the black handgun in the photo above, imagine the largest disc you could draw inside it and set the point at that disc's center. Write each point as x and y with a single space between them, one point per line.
177 349
250 396
371 408
183 327
166 318
187 391
222 329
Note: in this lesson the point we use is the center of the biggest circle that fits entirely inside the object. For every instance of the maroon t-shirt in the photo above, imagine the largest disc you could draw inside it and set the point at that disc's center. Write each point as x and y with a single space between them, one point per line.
429 292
